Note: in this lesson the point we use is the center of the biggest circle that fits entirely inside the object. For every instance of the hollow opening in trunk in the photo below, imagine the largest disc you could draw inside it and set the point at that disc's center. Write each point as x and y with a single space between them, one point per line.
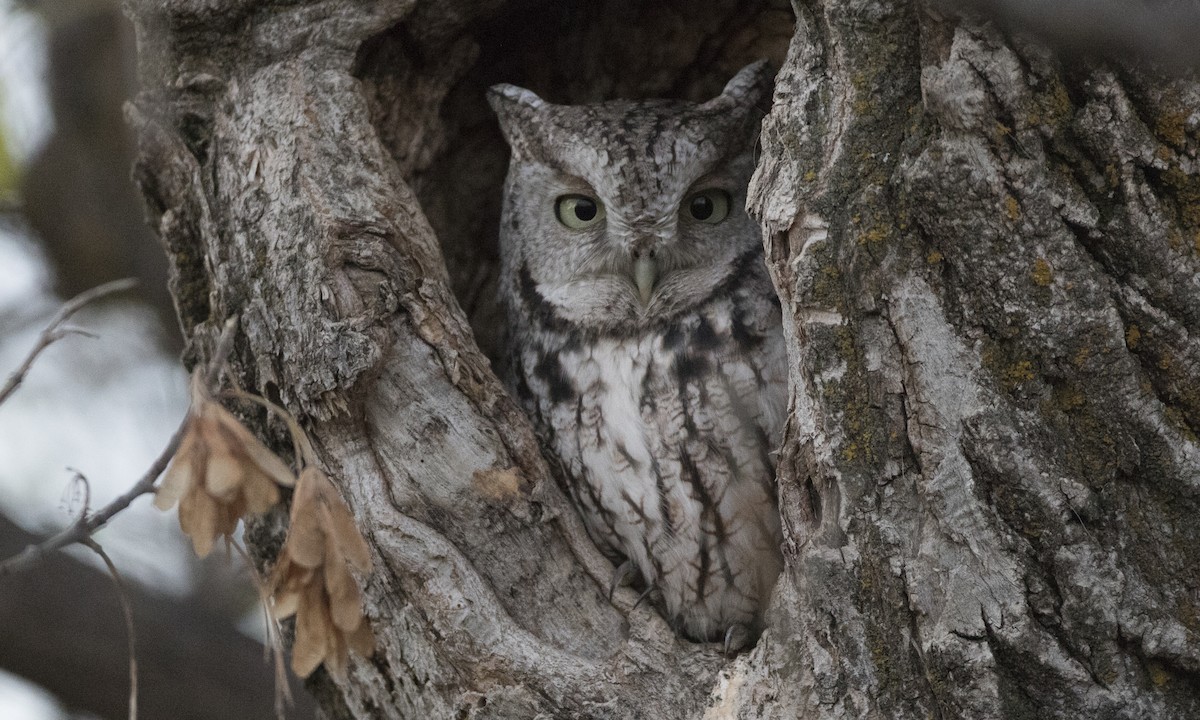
425 81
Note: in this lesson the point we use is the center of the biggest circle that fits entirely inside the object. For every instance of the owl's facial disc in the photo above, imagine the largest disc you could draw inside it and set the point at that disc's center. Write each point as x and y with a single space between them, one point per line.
642 250
653 255
583 213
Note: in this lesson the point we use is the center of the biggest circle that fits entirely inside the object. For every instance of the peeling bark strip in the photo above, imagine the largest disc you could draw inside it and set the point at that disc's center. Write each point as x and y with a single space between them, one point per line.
986 258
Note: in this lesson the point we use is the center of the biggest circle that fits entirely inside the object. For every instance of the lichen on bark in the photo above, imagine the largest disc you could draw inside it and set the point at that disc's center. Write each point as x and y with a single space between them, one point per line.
1025 493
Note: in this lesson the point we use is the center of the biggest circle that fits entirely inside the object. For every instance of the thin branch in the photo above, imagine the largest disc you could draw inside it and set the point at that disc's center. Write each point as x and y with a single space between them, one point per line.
128 612
81 530
88 523
56 331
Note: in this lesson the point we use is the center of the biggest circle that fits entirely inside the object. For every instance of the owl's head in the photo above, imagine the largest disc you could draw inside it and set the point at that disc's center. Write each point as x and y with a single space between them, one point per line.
623 213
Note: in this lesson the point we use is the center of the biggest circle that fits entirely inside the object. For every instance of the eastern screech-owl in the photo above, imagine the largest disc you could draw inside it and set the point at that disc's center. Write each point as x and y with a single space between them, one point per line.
646 340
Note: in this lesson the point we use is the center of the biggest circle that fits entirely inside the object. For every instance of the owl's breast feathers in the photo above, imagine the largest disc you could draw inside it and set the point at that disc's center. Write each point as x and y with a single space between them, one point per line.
667 433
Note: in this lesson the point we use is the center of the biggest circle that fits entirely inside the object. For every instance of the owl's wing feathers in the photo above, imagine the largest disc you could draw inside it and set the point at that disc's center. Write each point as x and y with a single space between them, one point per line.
712 411
667 439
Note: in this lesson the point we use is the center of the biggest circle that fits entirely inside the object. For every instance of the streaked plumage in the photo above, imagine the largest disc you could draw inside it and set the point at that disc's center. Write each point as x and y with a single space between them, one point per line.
645 337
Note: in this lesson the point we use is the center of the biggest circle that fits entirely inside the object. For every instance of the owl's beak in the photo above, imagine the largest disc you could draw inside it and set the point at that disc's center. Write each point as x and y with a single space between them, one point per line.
645 274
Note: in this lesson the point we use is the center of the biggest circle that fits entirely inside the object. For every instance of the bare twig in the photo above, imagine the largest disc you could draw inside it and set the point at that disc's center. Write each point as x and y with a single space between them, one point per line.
128 612
88 523
82 529
56 331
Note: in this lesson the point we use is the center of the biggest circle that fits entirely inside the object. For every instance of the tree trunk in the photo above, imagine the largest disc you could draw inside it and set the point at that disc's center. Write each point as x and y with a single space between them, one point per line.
987 258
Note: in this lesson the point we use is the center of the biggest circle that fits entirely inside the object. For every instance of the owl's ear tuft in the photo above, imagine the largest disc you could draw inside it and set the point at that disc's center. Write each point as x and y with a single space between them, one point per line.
516 109
747 89
506 99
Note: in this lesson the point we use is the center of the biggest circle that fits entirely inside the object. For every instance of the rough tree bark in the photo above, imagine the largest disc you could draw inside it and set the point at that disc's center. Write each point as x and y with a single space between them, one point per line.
987 256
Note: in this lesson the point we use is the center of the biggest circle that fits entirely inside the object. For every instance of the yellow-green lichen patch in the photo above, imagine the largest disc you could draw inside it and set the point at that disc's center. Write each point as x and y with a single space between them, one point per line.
1008 365
893 656
1186 611
874 236
1012 207
1187 195
1112 176
1082 354
827 285
1085 445
1133 336
1171 127
1109 674
1052 105
850 395
1158 674
1175 416
1042 273
1175 239
1068 398
1086 440
1018 372
1171 373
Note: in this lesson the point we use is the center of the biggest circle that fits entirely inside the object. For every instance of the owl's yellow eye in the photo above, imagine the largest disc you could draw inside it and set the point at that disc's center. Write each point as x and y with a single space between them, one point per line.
578 211
708 206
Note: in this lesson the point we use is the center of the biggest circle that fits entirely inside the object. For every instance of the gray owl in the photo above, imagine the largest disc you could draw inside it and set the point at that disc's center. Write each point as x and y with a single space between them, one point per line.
646 338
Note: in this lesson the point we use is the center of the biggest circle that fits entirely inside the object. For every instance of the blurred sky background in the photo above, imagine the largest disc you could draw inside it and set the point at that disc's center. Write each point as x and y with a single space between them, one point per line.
104 406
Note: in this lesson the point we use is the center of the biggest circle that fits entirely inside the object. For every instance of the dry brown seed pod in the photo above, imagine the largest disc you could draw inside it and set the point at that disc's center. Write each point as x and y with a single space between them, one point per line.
220 472
312 578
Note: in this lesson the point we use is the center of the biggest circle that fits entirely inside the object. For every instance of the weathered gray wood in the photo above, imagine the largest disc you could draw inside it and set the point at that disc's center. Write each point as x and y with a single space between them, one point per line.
993 501
987 259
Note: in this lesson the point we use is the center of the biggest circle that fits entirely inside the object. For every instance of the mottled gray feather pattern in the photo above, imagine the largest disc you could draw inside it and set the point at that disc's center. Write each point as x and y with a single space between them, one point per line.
665 402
